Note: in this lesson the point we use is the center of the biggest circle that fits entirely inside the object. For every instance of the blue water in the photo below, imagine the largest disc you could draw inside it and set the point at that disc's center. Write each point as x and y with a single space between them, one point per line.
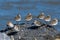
9 8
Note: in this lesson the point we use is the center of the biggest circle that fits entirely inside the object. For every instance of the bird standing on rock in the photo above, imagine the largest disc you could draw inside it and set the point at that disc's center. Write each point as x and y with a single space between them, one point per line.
28 17
16 28
10 24
18 18
47 18
37 23
41 16
54 22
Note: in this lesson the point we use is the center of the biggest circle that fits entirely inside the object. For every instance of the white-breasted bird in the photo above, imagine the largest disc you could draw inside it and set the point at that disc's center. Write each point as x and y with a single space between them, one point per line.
41 16
18 18
54 22
47 18
16 28
37 23
10 24
28 17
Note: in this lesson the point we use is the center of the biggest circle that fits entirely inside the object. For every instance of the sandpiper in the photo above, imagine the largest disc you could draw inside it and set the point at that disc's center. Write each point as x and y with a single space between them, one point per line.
28 17
10 24
16 28
41 16
47 18
37 23
18 18
54 22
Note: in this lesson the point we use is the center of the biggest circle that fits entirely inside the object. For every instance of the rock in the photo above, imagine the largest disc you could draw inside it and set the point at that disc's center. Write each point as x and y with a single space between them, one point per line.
3 36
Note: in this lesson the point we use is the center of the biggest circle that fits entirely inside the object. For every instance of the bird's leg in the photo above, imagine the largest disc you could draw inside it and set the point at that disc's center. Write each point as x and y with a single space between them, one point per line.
46 30
17 22
19 27
46 22
27 22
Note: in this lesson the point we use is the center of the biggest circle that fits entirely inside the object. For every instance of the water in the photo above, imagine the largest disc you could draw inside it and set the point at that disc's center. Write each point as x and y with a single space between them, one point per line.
9 8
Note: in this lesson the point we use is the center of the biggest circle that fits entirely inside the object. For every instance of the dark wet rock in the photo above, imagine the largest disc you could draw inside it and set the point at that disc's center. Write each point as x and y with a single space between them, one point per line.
33 27
7 29
11 33
3 36
48 37
57 35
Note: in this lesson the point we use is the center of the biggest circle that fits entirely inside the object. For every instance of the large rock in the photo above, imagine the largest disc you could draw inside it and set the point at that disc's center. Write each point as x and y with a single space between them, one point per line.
3 36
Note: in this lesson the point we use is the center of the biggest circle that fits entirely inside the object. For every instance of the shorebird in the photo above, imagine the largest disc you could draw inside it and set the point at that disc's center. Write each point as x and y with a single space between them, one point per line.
10 24
16 28
18 18
47 18
51 24
54 22
28 17
41 16
37 23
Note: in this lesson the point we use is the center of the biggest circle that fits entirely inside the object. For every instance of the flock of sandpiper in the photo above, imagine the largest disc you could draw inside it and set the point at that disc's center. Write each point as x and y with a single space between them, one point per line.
29 17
